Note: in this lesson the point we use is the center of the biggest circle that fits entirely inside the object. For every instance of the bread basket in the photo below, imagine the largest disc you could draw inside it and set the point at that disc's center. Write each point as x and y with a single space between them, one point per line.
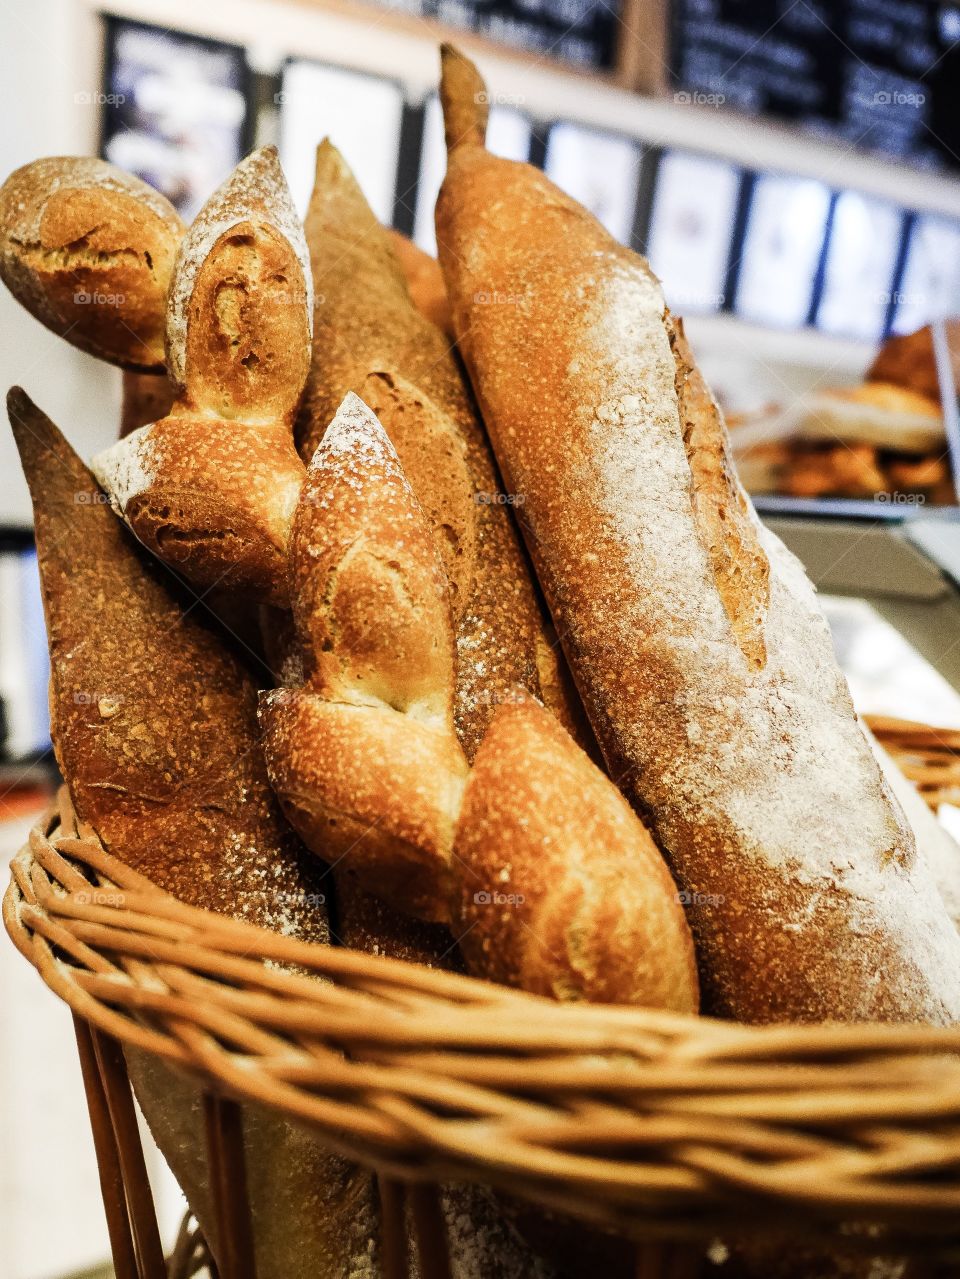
669 1130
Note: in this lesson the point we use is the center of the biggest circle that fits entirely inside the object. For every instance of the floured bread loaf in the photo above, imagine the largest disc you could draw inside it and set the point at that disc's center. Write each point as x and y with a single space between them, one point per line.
369 338
89 251
210 488
695 638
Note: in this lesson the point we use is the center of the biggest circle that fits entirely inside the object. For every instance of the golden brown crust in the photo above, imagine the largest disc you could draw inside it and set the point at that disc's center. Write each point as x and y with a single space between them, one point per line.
89 251
562 892
464 98
364 757
371 791
154 721
219 514
724 521
370 598
428 293
366 326
211 488
756 780
907 360
153 718
248 328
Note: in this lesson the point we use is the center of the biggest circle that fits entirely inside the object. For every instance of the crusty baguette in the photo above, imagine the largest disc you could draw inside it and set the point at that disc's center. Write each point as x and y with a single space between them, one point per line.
211 487
428 293
369 338
567 894
154 724
704 662
89 251
364 757
551 881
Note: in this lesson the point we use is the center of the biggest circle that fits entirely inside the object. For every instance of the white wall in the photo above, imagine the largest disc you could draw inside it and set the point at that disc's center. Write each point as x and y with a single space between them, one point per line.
49 52
51 1214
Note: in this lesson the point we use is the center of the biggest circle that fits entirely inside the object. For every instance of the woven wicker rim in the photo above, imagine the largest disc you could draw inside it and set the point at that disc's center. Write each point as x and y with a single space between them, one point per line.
645 1122
928 756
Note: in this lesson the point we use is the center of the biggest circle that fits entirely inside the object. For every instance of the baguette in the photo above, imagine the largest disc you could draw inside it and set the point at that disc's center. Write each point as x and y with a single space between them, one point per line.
211 488
428 293
370 339
147 397
551 881
695 638
89 251
154 726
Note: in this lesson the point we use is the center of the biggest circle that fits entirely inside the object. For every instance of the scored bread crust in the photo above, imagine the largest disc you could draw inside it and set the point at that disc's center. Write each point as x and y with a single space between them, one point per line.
218 511
807 902
365 325
364 757
89 251
565 894
211 488
254 196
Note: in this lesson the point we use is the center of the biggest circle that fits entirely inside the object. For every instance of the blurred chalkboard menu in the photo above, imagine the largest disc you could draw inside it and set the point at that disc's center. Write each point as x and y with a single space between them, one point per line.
582 32
175 109
881 74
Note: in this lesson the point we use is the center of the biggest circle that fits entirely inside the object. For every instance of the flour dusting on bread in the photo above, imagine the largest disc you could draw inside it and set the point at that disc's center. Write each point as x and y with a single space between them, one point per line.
255 192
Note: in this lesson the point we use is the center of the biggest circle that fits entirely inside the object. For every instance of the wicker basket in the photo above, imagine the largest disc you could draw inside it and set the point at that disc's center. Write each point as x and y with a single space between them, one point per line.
659 1127
929 756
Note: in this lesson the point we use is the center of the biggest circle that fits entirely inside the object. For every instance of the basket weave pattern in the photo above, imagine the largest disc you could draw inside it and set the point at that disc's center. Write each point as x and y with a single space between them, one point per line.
649 1123
928 756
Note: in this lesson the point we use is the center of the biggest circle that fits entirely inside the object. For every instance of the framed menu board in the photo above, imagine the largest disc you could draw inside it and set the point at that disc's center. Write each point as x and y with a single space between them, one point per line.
175 110
361 114
601 170
882 74
691 229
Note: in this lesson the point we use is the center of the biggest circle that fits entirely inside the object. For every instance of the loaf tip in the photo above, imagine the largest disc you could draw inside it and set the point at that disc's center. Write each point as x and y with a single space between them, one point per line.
39 442
32 429
465 101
